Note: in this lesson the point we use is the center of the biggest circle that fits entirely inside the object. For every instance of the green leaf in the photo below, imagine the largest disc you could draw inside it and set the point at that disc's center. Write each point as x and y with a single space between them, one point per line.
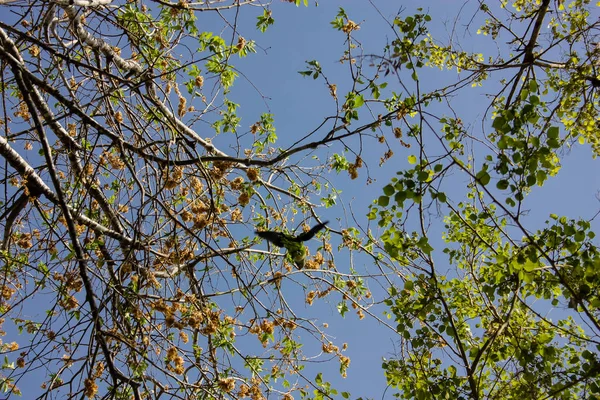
388 190
498 123
533 87
372 214
399 197
529 266
502 184
342 308
358 101
423 244
541 177
553 143
319 378
423 176
531 180
483 177
264 20
383 201
534 100
412 159
553 132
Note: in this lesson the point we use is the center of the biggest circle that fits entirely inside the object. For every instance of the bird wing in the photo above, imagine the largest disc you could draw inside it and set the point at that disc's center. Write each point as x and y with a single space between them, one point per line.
277 238
303 237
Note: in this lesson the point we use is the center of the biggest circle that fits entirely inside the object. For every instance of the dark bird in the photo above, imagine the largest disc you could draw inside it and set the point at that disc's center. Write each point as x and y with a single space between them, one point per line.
293 244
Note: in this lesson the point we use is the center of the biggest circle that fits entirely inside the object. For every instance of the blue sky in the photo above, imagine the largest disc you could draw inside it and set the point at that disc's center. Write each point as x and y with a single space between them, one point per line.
300 104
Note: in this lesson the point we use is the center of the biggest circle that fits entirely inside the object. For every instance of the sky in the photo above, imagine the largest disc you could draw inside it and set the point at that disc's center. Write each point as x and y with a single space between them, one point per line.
270 83
299 105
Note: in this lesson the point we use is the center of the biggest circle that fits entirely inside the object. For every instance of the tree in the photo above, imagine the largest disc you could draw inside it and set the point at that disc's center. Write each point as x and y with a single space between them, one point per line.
496 306
130 263
129 258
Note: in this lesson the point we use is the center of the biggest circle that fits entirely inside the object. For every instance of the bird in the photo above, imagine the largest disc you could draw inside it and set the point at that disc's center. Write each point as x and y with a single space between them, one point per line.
293 244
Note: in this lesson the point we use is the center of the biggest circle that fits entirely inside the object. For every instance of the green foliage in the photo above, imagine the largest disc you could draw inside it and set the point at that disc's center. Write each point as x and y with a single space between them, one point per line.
265 132
314 69
471 312
353 102
229 121
339 21
264 21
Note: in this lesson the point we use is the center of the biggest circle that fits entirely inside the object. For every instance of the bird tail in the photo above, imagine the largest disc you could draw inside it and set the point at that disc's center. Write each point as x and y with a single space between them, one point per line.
303 237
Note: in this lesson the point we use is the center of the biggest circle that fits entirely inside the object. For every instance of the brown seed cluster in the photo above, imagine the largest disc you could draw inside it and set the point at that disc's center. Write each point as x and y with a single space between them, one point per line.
314 263
70 280
263 330
236 215
350 26
69 302
220 169
23 112
252 174
244 199
353 168
333 90
174 361
310 297
72 129
90 388
252 391
344 364
388 154
241 43
23 240
237 183
181 106
329 348
174 178
119 117
226 384
113 160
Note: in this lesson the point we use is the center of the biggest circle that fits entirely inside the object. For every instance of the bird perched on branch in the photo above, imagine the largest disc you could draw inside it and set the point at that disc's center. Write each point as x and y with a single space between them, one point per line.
293 244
